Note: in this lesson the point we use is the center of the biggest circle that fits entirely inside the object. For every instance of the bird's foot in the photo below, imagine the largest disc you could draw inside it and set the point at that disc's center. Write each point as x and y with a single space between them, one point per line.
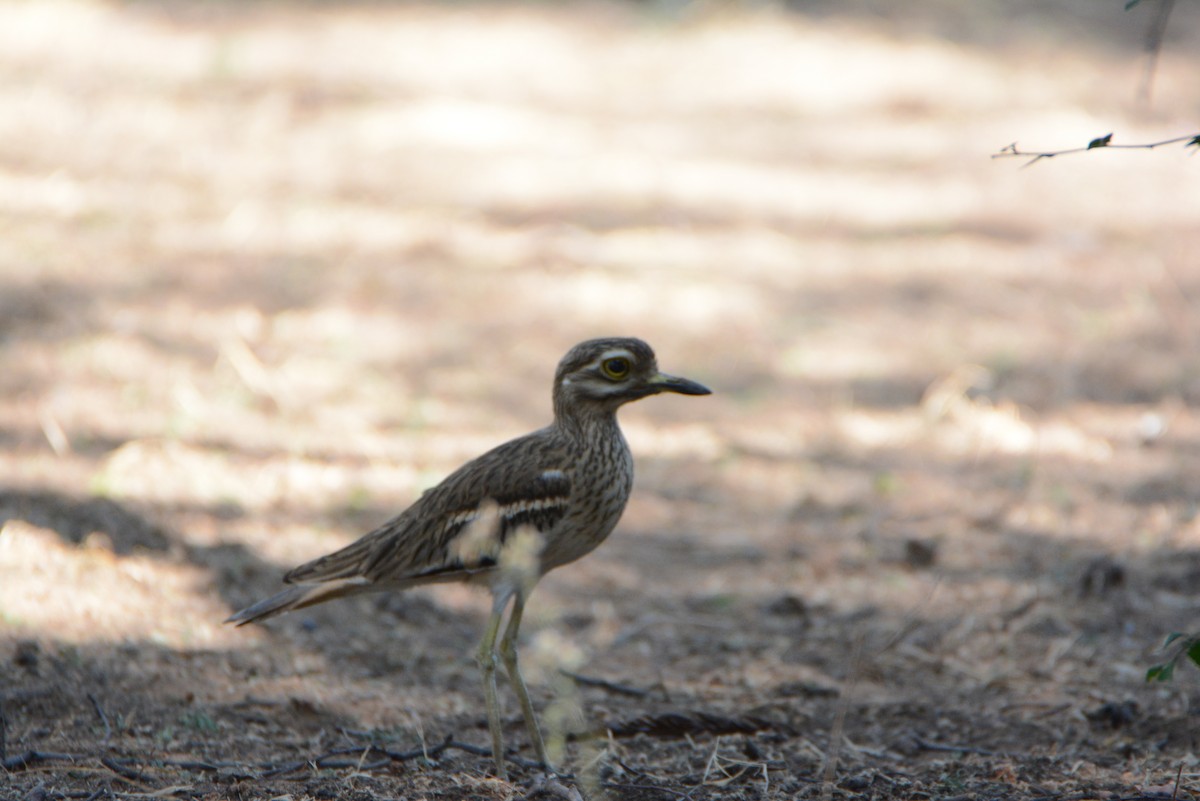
547 785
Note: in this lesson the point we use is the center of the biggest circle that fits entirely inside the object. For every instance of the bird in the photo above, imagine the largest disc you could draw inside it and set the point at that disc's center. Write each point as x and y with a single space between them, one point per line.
506 518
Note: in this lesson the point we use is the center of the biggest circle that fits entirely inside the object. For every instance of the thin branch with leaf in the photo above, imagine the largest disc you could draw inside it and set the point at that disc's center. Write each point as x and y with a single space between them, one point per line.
1100 142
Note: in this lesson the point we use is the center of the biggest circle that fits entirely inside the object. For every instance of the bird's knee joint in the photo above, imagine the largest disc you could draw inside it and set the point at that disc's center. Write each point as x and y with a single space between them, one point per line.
510 663
487 661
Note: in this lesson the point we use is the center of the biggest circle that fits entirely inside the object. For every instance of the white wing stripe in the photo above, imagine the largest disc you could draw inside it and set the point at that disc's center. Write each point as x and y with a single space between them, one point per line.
509 511
535 505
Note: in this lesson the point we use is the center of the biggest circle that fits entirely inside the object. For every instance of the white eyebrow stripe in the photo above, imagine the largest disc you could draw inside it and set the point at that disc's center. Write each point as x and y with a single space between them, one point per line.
551 475
612 354
608 354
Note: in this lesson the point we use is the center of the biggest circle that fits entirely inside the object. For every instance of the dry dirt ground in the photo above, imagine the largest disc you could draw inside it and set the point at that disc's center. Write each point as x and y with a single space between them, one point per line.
268 270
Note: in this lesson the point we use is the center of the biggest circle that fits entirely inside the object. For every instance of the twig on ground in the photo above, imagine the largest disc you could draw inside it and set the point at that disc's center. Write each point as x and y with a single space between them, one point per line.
285 769
687 723
395 756
103 718
630 769
618 786
36 794
712 760
358 764
1100 142
926 745
605 684
31 758
478 750
329 758
641 774
125 772
199 766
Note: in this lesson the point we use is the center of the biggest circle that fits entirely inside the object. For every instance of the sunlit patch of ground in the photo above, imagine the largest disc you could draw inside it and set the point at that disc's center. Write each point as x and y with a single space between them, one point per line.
268 271
86 594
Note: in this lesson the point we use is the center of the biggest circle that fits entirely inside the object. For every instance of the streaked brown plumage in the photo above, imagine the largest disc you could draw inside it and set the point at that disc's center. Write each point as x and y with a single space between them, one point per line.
569 482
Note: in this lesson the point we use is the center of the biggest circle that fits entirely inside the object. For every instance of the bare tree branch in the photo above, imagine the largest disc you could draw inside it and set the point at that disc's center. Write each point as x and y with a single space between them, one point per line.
1034 156
1154 44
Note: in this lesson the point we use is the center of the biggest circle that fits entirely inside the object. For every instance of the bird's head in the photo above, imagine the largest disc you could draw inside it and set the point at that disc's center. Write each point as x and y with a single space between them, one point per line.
602 374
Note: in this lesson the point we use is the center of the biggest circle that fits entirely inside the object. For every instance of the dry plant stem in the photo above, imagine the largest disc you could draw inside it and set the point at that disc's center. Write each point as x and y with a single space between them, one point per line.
103 718
839 721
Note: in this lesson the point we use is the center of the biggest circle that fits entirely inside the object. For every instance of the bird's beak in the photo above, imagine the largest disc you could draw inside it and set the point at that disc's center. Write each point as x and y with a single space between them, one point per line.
669 383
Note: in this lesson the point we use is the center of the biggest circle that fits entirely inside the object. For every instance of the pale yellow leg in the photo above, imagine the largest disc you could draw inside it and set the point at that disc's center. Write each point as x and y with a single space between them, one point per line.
508 652
486 657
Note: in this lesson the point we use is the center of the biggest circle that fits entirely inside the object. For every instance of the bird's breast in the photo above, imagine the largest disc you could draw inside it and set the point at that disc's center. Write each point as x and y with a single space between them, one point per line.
600 487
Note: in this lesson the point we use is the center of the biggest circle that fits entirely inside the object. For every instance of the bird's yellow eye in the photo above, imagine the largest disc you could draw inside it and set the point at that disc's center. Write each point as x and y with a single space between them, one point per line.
616 368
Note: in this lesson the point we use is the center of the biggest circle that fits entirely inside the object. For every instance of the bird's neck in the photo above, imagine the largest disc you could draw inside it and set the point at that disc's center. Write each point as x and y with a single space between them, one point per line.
584 422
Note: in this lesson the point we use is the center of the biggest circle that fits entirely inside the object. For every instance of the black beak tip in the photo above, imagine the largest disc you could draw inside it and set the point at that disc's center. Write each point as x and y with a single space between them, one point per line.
684 386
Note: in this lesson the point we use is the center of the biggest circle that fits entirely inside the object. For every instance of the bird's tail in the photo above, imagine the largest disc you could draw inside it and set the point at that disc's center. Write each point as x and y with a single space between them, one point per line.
298 597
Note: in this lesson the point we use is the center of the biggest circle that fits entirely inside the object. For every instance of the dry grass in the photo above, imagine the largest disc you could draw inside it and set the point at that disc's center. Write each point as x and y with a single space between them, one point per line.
267 271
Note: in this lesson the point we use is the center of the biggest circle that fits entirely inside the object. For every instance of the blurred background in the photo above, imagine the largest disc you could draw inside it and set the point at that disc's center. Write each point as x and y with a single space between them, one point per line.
268 270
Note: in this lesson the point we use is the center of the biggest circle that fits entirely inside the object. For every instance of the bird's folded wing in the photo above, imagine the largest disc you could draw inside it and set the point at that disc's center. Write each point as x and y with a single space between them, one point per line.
426 541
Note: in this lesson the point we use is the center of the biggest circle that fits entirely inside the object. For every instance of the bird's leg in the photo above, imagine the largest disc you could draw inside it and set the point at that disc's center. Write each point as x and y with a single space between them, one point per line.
508 652
486 657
